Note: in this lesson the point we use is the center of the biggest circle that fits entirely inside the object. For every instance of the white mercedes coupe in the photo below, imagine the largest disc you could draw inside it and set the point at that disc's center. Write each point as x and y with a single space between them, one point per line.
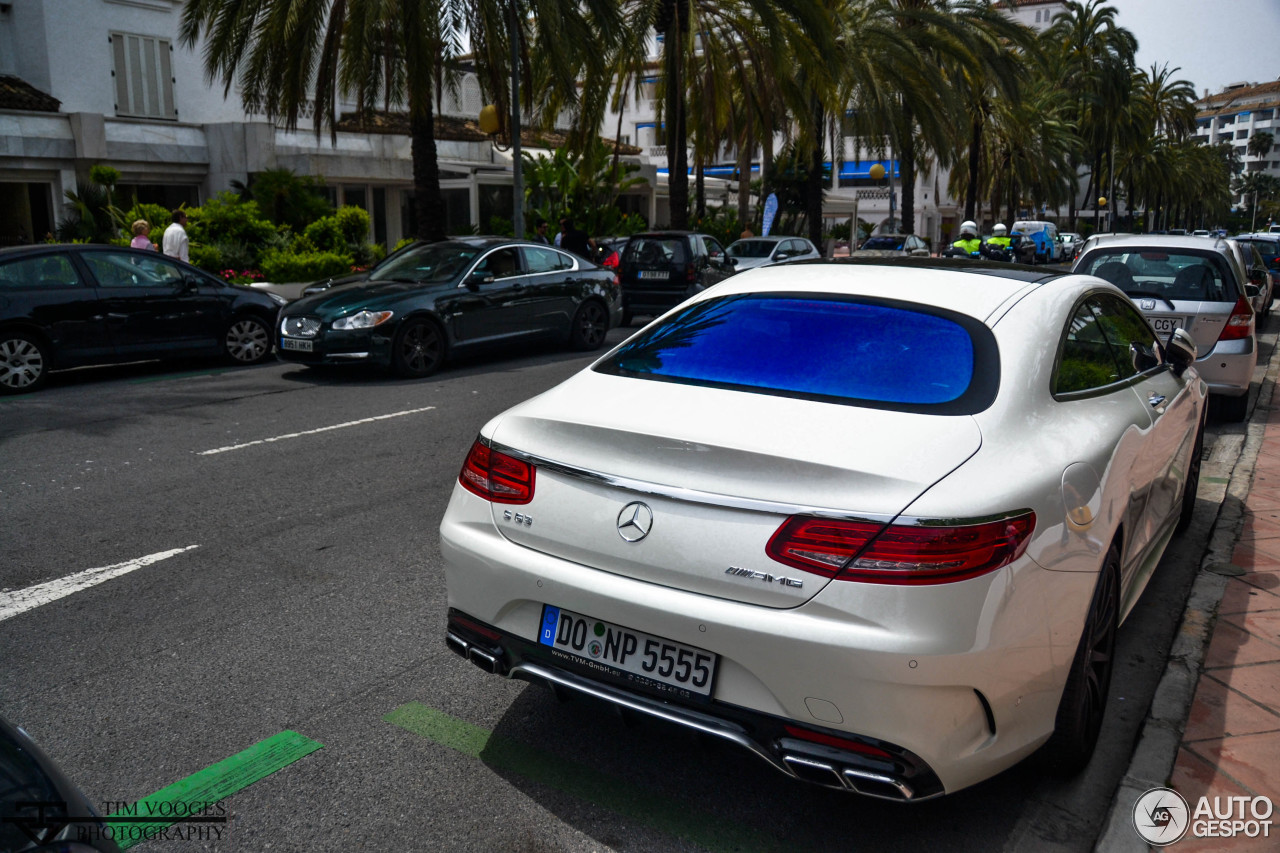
877 524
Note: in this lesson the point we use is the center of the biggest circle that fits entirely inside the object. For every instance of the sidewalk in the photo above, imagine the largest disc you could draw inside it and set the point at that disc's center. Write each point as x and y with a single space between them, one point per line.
1214 725
1231 743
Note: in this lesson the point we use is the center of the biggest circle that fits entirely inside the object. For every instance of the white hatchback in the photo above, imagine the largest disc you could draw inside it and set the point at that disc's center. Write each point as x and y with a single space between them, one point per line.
864 521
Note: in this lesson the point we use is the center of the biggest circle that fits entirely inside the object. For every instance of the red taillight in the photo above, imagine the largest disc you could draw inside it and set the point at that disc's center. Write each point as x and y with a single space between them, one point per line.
899 553
690 272
1240 323
496 476
611 262
837 742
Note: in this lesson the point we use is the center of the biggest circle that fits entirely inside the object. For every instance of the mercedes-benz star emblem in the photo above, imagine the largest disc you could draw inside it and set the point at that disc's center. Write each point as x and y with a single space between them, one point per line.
635 521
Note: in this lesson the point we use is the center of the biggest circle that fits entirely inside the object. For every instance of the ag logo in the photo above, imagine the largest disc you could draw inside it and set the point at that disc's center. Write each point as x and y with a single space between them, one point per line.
1161 816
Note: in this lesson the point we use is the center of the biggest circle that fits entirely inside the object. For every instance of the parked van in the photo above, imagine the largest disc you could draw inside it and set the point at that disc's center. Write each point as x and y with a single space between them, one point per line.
1044 235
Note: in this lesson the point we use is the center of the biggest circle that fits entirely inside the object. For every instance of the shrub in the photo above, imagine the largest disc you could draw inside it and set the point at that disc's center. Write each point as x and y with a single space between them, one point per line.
207 258
227 219
280 266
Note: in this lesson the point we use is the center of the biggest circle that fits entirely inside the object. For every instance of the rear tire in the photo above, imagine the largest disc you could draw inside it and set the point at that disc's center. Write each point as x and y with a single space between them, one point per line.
24 362
1234 409
247 341
590 324
1084 699
418 350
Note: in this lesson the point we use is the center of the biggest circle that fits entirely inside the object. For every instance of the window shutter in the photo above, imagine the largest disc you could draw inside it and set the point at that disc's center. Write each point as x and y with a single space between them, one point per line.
144 76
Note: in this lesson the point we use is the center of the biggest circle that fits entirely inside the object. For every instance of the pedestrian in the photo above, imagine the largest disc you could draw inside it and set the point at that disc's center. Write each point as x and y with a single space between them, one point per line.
747 234
540 233
576 240
141 235
564 226
175 237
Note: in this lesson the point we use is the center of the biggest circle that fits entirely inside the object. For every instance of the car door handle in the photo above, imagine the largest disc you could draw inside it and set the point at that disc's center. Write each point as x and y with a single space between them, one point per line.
1155 399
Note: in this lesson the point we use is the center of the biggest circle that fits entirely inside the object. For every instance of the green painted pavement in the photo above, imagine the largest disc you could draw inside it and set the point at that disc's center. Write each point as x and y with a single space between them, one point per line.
665 814
190 800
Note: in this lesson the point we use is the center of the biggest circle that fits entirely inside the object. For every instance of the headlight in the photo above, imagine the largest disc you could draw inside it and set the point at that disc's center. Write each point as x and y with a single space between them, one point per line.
362 320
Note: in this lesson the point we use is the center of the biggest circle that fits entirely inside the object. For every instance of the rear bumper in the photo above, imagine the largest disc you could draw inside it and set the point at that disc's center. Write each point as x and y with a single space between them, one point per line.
965 681
889 772
1228 367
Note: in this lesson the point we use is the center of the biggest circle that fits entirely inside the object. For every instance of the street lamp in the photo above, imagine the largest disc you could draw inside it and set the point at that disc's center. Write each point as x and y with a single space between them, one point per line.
1102 203
877 173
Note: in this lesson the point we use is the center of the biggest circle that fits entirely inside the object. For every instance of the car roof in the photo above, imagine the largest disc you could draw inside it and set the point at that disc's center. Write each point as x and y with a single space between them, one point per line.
1163 241
971 288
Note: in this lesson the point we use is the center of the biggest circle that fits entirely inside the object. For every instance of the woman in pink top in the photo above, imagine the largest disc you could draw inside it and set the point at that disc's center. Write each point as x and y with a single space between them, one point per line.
140 239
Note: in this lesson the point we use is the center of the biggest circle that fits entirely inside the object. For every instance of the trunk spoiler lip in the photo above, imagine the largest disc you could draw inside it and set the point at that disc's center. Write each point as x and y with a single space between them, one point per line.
685 494
696 496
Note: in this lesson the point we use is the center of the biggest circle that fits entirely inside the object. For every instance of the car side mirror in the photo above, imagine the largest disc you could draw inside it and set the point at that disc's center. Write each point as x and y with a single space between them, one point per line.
782 256
1251 291
732 262
1180 350
477 278
190 284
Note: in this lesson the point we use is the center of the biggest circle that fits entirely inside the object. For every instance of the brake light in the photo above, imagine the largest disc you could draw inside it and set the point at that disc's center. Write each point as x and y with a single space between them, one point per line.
690 272
611 262
497 477
866 552
1240 323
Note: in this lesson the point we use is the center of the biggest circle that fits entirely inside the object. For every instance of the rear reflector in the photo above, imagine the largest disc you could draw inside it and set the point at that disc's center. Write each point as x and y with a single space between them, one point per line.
866 552
836 742
1240 323
496 476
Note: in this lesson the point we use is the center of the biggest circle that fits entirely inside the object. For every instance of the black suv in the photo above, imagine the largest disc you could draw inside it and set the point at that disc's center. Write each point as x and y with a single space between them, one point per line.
661 269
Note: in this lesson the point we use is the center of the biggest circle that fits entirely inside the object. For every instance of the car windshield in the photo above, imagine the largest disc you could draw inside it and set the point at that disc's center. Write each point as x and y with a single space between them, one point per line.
891 243
1170 274
655 250
823 347
752 248
433 262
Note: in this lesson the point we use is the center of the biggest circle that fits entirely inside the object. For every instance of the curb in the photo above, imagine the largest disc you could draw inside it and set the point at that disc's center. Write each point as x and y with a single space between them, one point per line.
1156 750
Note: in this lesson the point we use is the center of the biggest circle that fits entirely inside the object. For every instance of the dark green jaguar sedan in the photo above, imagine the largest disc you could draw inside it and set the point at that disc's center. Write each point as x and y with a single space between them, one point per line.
438 299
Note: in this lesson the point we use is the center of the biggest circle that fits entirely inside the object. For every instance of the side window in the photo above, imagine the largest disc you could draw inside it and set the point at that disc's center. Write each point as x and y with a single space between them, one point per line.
714 249
1132 342
501 263
113 269
1087 361
546 260
47 271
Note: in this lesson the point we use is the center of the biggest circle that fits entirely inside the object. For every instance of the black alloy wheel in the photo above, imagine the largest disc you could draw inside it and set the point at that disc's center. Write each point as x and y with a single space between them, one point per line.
1193 483
248 340
1084 700
418 350
590 324
24 362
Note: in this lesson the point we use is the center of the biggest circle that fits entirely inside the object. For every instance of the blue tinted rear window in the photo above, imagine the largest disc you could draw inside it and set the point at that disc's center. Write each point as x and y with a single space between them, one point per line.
887 355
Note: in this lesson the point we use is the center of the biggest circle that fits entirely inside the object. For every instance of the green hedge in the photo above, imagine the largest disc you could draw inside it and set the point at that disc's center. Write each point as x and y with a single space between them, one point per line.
281 266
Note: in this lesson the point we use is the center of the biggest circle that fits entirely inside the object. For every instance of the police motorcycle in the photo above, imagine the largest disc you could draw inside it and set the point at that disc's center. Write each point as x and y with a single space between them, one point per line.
999 247
969 245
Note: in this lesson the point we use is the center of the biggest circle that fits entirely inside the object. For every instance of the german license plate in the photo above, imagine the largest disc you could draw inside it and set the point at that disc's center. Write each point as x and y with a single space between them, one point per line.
293 343
1165 325
635 656
655 274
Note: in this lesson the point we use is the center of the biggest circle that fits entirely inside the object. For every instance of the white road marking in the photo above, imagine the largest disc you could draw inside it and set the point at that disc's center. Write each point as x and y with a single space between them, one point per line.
13 602
314 431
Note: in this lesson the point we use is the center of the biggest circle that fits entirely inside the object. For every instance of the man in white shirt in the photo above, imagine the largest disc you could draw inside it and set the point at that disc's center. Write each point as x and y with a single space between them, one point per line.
175 237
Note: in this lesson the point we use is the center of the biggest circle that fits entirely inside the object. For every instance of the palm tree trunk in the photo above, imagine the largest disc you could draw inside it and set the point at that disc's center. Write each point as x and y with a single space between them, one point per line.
975 155
428 202
744 176
677 156
813 184
699 187
907 170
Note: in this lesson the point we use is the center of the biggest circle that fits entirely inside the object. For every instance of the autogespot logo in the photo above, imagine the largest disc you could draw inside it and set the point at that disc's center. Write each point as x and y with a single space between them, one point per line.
1161 816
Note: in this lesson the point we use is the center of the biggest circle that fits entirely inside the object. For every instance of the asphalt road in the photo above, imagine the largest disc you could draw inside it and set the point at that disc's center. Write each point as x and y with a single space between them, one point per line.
305 593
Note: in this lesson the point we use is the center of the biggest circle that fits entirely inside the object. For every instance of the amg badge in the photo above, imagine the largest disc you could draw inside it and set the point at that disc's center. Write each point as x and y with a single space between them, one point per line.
763 576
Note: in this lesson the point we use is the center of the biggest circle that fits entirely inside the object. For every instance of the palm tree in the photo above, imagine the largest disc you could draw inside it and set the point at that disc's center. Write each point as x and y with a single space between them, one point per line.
1095 58
1260 144
399 52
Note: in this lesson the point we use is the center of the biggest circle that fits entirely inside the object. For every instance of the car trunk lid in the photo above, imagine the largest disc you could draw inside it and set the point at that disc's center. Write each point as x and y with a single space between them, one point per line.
683 486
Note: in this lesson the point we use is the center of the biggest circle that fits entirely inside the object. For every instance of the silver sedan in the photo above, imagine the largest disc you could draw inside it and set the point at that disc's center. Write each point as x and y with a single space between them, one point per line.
875 524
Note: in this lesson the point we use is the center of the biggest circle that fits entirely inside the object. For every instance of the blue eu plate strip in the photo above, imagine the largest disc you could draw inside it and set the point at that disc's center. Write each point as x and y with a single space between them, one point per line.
550 618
